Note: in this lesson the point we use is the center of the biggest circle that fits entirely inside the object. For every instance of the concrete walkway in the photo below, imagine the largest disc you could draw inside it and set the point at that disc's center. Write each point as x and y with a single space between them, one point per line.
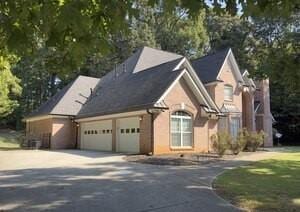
74 180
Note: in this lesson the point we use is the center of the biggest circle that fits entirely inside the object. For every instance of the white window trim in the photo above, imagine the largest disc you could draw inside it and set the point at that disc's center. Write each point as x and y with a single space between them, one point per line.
225 97
181 132
238 119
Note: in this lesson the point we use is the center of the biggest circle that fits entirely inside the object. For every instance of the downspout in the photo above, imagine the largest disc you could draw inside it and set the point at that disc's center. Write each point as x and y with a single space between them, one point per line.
152 131
76 133
208 121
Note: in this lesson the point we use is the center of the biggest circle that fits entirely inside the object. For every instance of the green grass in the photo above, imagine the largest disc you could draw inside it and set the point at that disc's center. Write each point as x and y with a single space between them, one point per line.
267 185
9 139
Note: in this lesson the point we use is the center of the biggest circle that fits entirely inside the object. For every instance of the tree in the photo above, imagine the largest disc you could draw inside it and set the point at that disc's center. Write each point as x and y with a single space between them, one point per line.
9 88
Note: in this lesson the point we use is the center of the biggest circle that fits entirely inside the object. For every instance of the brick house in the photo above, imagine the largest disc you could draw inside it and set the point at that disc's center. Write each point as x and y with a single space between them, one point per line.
154 102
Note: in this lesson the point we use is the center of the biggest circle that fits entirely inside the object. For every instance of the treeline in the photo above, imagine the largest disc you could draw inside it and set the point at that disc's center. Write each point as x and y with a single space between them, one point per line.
265 46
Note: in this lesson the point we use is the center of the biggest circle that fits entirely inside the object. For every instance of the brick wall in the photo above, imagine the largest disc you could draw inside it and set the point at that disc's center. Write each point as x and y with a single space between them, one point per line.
40 130
63 133
202 129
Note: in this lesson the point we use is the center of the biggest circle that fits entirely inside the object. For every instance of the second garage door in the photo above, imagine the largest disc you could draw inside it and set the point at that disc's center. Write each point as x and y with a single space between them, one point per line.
128 135
97 135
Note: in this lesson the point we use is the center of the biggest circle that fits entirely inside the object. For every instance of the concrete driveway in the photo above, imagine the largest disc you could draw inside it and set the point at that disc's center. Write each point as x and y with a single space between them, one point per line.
71 180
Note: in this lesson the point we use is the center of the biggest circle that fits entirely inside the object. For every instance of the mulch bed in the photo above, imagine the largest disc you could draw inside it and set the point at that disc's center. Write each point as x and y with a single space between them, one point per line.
174 159
183 159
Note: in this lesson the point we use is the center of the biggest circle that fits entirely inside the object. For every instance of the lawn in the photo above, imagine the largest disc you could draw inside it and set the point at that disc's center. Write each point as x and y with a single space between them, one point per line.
267 185
9 139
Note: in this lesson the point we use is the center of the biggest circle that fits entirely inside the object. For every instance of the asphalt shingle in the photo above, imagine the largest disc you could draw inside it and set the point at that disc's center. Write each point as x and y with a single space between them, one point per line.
69 100
208 67
130 91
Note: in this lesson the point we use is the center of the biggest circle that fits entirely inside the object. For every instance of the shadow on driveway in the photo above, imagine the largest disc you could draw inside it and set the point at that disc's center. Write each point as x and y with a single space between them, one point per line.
107 185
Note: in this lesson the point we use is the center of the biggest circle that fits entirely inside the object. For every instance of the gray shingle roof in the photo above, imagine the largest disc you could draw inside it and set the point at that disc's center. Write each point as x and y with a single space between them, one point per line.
145 58
208 67
69 100
130 90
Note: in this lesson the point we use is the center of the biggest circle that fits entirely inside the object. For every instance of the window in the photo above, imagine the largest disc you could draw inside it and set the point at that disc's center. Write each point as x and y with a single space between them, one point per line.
132 130
127 130
181 129
137 130
85 132
107 131
122 130
103 131
228 93
96 132
234 126
88 132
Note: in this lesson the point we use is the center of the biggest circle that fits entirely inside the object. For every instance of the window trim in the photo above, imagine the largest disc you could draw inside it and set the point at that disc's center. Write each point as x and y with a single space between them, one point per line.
228 99
190 117
234 118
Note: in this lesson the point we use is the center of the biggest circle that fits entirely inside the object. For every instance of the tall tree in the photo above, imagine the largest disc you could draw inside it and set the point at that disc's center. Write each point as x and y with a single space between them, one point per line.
9 88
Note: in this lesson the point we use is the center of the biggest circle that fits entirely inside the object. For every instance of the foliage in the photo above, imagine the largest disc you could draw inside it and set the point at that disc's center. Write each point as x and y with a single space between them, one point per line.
10 139
240 142
267 185
254 140
231 31
220 142
9 88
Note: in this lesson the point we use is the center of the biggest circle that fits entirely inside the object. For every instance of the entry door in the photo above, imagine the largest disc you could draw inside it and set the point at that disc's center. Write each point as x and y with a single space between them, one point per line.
97 135
128 136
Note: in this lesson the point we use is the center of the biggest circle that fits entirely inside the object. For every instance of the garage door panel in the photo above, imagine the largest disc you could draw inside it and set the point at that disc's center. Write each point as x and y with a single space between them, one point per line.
97 135
128 136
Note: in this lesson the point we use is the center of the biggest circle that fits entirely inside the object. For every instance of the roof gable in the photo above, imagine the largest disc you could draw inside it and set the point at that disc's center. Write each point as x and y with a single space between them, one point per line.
194 84
230 59
209 67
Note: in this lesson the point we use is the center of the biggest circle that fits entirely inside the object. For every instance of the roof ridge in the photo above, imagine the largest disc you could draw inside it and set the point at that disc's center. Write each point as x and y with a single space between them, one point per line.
165 51
164 63
212 54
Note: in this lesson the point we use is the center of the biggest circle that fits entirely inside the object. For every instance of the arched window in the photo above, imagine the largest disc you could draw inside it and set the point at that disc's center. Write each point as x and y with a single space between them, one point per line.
181 129
228 92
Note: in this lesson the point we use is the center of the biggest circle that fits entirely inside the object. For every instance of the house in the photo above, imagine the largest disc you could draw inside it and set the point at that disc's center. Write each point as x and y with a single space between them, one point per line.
154 102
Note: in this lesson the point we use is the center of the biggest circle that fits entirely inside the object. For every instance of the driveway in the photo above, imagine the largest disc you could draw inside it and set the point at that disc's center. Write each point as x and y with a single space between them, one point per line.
73 180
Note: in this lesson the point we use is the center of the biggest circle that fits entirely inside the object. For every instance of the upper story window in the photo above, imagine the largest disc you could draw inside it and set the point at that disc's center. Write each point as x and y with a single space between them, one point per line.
181 129
228 92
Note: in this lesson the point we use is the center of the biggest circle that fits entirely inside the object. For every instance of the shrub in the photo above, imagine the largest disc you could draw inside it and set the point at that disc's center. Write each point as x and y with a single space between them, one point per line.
255 140
240 142
220 142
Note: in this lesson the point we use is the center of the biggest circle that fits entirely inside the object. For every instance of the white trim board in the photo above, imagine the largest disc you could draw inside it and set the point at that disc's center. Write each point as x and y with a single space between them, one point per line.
111 116
195 89
202 87
37 118
236 70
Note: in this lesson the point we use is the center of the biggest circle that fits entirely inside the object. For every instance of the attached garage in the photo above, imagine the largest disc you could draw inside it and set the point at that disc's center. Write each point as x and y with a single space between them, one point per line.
128 135
97 135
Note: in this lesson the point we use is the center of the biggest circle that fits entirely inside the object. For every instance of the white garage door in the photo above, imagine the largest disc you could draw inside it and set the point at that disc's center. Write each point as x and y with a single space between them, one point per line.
128 136
97 135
